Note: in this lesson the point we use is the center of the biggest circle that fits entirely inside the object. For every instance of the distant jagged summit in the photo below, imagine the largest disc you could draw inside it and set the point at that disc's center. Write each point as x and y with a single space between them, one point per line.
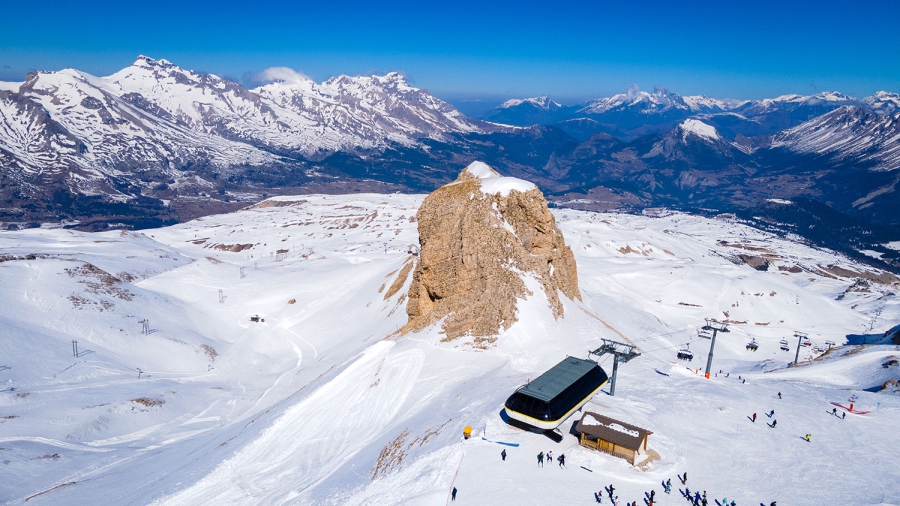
486 242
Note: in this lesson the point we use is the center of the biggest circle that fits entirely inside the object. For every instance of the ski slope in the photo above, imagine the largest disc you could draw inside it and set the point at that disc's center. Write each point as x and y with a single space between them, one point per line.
321 403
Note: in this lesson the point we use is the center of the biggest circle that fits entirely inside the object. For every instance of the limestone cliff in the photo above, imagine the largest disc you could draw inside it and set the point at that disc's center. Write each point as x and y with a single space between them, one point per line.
480 236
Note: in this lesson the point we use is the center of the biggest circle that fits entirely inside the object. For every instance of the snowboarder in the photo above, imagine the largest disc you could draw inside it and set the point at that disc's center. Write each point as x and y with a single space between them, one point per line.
652 496
562 460
779 395
807 437
453 494
599 496
743 381
684 479
503 455
843 415
668 485
770 414
611 490
773 423
541 459
834 411
754 417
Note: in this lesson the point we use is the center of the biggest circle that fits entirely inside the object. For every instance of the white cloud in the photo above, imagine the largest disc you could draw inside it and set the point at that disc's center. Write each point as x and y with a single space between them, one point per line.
281 74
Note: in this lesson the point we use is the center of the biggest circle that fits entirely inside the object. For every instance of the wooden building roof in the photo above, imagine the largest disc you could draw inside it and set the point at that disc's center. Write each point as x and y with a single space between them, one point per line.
612 430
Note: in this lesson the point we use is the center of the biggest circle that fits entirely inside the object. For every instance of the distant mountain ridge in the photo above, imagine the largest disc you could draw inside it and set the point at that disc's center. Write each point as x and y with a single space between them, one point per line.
155 144
635 113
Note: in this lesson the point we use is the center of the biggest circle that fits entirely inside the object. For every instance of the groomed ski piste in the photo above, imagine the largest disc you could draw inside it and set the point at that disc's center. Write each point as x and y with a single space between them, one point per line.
322 403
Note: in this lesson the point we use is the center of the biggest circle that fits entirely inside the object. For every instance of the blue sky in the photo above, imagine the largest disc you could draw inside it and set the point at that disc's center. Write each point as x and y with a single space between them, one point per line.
467 50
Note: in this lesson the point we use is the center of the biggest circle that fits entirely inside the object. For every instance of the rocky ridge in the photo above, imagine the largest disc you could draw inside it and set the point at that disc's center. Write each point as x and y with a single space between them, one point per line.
486 242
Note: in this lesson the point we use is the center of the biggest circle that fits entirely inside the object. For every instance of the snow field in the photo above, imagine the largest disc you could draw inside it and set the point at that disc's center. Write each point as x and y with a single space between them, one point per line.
319 404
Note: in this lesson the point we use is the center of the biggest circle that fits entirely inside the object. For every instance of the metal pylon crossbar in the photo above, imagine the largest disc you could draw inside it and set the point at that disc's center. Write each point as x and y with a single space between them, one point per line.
621 352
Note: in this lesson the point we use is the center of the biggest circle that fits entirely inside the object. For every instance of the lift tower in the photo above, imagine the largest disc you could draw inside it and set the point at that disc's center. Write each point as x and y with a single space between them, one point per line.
714 327
621 352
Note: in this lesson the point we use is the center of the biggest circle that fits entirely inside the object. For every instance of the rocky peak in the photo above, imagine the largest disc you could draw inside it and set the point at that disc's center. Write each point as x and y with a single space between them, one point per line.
487 242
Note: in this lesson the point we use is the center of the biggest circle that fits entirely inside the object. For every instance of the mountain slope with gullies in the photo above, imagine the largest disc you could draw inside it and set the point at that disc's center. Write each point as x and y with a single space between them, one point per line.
487 242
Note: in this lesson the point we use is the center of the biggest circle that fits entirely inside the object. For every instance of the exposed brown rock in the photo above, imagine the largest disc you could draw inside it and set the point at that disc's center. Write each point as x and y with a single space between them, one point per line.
480 236
757 262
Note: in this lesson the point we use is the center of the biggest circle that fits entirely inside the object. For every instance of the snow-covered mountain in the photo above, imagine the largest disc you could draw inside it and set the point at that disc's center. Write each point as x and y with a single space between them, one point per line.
660 101
155 129
316 401
528 111
300 116
848 134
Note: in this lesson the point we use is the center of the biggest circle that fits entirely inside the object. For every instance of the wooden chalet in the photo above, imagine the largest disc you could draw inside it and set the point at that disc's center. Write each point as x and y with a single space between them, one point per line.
611 436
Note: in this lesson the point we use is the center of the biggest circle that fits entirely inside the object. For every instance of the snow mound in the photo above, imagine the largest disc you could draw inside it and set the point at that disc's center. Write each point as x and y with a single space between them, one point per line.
493 183
700 129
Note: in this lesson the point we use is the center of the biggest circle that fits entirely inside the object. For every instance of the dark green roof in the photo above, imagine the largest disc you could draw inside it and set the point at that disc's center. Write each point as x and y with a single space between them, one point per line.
553 382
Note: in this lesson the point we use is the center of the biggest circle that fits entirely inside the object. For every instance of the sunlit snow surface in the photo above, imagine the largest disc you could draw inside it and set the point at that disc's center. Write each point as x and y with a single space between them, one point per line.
297 409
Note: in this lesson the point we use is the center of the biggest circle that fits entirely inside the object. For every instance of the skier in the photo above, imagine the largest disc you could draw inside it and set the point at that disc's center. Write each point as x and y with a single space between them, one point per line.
503 454
652 496
550 457
453 494
599 496
743 381
668 485
843 415
611 490
779 395
562 460
834 411
696 497
754 417
541 459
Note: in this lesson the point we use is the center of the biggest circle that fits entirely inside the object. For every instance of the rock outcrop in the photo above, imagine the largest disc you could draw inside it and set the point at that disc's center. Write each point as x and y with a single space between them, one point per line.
482 236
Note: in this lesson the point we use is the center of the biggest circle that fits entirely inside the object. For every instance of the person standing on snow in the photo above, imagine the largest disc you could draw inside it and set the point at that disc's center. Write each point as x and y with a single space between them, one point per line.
779 395
453 494
834 411
770 414
550 457
503 455
541 459
562 460
754 417
843 415
773 423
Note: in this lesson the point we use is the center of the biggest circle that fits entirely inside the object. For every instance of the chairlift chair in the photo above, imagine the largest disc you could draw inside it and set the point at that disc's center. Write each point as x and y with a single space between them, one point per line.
806 342
752 346
685 354
704 333
784 345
